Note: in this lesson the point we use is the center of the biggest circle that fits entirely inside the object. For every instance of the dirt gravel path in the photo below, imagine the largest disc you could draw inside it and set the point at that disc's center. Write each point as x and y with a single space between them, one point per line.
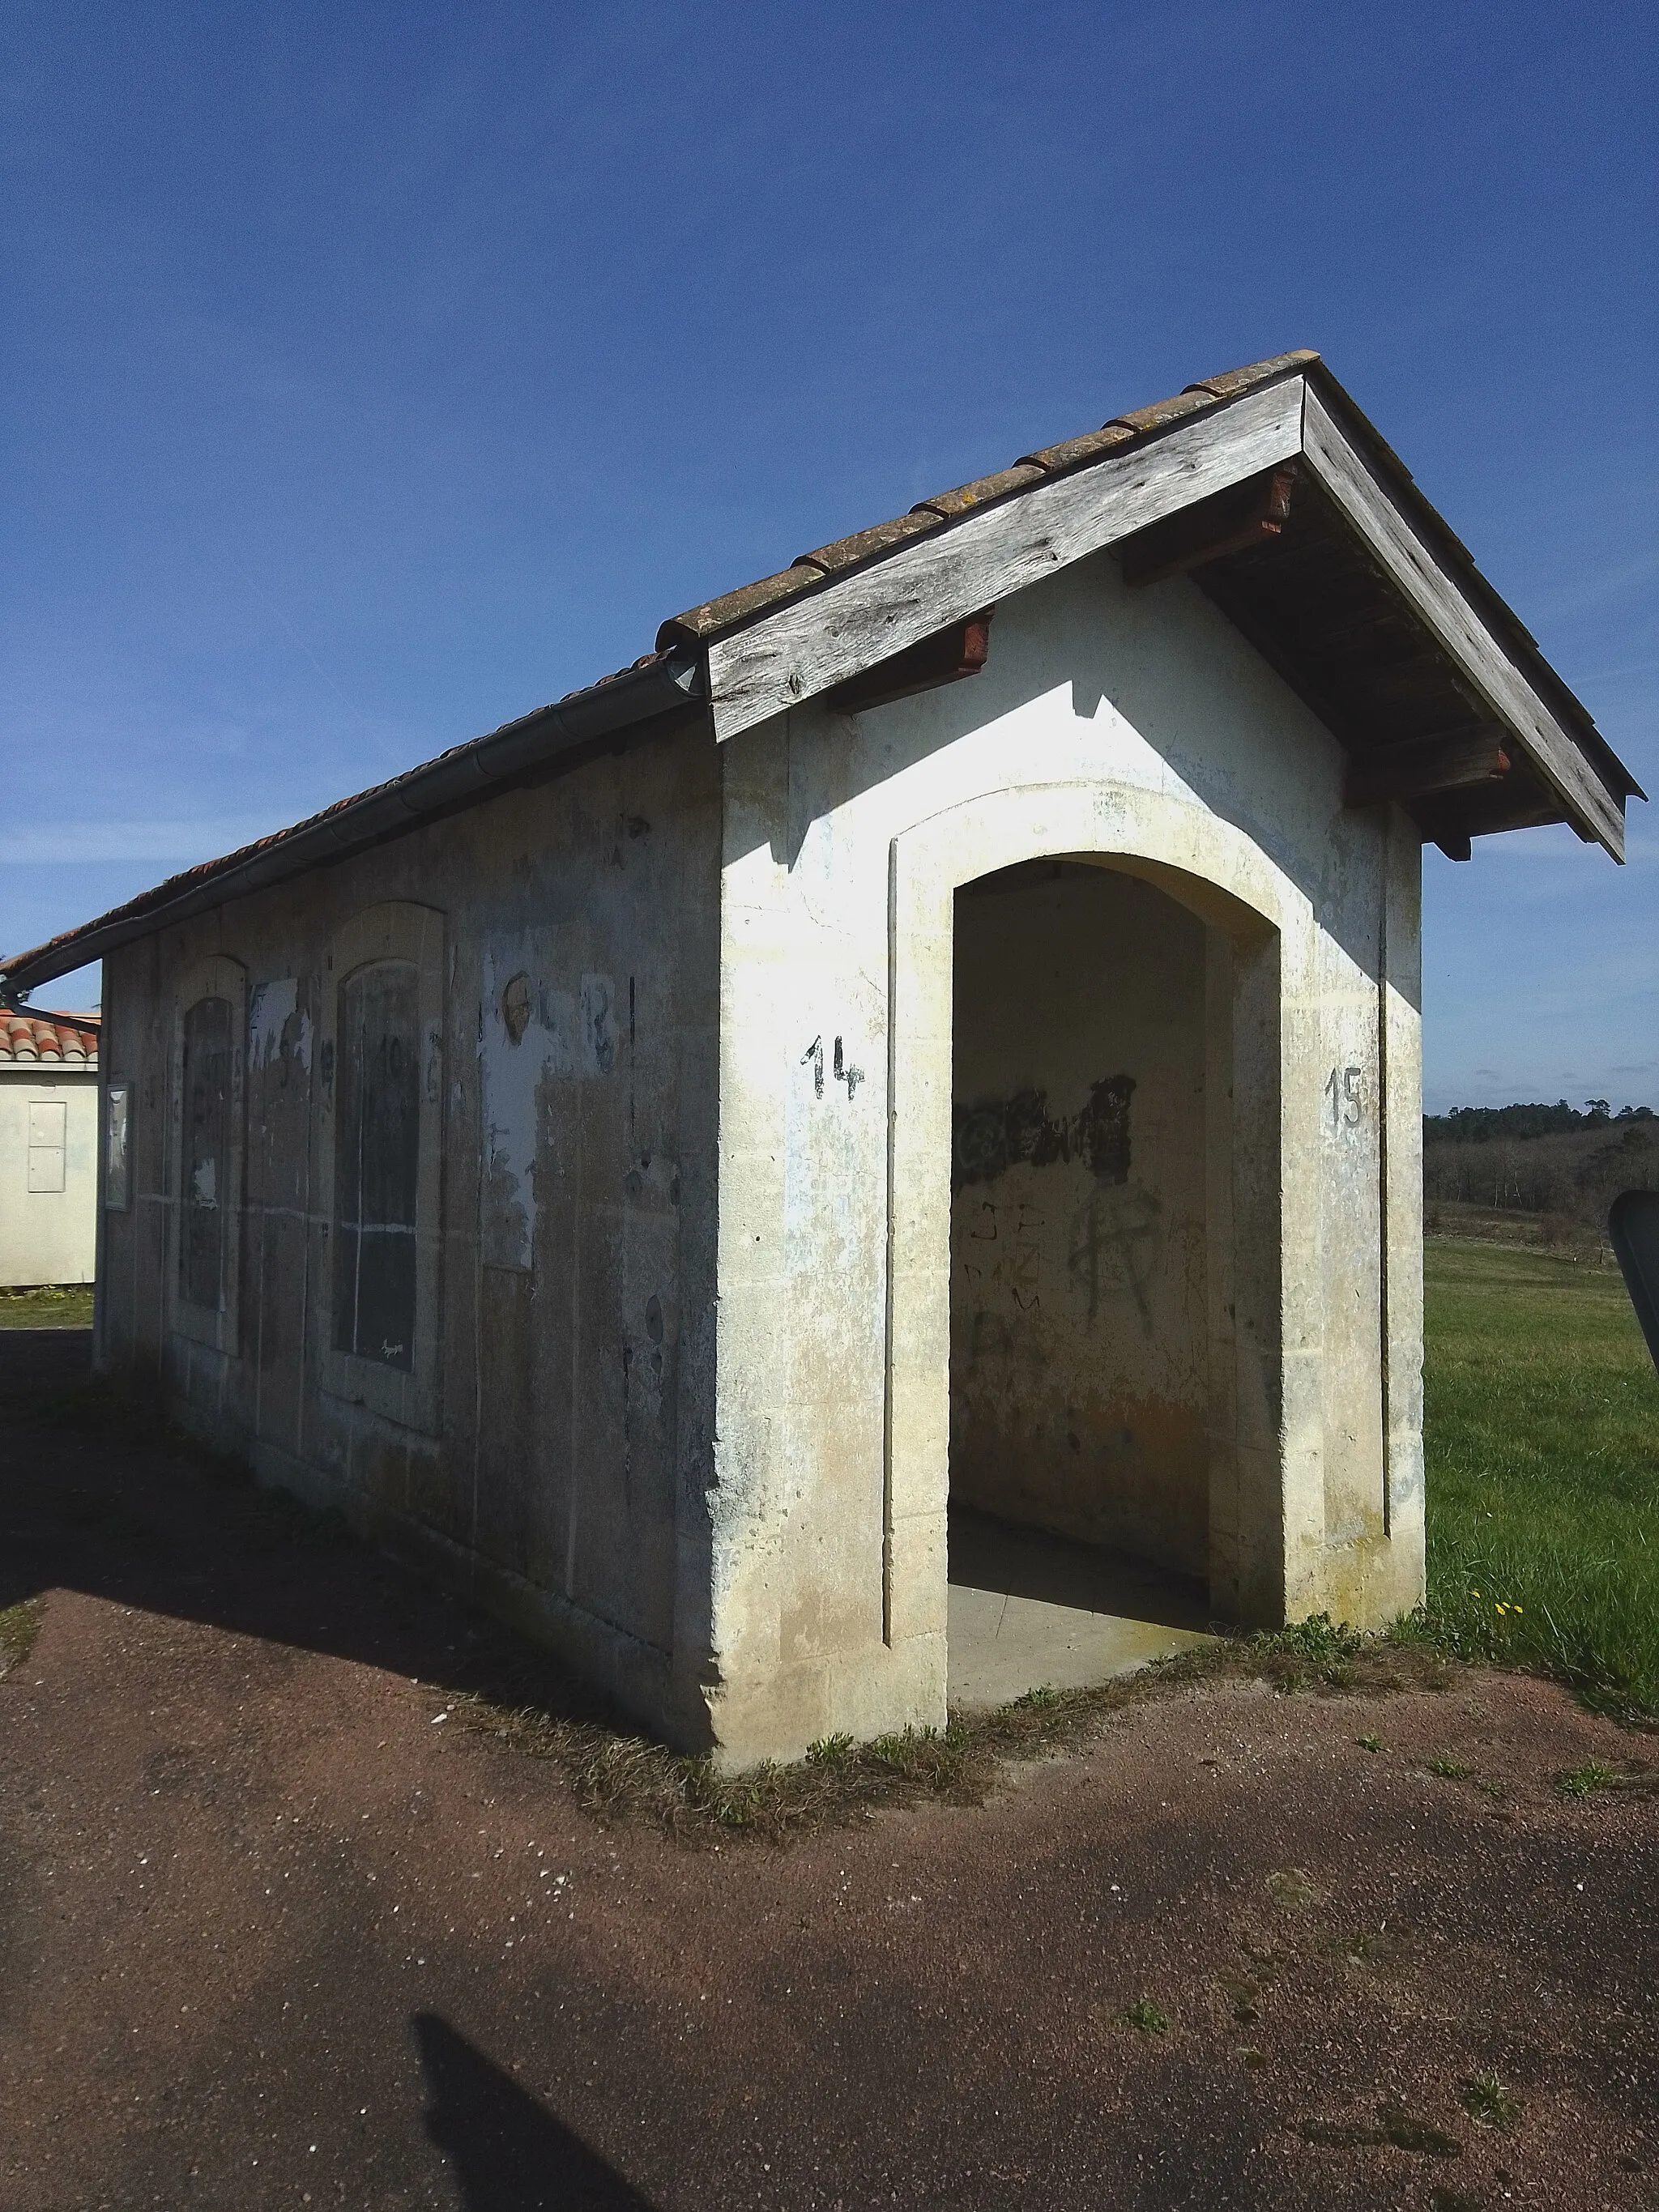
275 1931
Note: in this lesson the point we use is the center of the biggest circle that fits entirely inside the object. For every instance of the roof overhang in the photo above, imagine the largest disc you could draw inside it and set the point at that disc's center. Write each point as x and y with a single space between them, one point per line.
1358 592
657 695
1266 486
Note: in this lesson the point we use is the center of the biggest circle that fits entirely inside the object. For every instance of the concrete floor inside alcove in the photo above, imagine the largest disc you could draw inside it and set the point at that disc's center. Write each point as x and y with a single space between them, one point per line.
1029 1610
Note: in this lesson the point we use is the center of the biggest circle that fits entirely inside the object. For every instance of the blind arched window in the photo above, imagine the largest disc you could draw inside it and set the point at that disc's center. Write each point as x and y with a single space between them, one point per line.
377 1163
207 1195
206 1146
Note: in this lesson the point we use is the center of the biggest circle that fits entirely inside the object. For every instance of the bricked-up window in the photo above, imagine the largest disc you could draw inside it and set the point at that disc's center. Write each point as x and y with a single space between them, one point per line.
204 1228
376 1168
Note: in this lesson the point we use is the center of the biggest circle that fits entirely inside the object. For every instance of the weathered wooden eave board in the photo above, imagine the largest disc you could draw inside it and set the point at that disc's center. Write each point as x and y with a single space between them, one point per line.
1442 607
813 643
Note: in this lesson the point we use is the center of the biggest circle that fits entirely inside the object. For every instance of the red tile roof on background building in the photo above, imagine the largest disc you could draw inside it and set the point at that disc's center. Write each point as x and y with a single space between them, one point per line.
58 1040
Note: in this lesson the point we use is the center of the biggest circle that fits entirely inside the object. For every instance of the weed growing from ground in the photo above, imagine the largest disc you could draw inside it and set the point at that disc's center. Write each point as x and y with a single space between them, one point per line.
623 1778
1366 1947
1294 1891
1317 1653
1486 2099
1595 1775
1144 2014
1241 1993
1448 1768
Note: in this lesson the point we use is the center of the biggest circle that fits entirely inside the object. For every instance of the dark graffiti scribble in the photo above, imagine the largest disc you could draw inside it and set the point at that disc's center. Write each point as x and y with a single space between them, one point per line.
986 1140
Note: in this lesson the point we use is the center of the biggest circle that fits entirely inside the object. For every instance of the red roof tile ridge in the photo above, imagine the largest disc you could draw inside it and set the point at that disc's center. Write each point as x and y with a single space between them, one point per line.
34 1039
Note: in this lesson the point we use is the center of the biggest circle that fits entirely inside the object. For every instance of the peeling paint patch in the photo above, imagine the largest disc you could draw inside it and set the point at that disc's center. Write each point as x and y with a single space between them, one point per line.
277 1025
515 1049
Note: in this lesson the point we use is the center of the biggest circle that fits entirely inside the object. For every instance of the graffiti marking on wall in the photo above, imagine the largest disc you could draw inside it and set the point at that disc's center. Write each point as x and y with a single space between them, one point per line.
987 1139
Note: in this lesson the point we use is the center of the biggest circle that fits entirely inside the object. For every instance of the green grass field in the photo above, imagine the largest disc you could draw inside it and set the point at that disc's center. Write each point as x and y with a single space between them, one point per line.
48 1309
1542 1427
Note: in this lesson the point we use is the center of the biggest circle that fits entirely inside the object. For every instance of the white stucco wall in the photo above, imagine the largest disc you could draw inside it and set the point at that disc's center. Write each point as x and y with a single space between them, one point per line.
48 1176
687 1121
1140 729
547 1451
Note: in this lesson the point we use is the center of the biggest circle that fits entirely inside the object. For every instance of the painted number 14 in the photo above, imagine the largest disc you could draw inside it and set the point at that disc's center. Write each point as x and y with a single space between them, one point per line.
1342 1089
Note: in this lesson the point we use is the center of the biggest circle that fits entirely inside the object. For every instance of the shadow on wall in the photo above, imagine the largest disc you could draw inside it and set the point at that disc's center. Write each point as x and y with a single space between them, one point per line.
507 2151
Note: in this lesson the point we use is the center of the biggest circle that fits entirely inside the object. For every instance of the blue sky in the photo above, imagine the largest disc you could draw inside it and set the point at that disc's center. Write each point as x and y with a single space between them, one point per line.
376 373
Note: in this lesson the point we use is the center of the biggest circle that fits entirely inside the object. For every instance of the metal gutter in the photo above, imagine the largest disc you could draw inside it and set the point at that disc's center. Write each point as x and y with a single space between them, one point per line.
661 685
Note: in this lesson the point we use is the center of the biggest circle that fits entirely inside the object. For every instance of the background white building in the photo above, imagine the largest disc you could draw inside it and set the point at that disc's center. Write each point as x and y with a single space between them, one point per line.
48 1148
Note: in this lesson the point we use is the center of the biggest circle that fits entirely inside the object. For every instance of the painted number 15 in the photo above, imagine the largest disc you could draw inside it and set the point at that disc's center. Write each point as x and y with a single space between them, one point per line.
1342 1091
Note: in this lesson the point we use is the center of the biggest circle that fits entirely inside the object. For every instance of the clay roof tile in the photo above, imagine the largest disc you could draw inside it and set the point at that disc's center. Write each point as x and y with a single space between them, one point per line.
869 544
36 1040
950 504
1078 453
1232 381
1142 421
733 607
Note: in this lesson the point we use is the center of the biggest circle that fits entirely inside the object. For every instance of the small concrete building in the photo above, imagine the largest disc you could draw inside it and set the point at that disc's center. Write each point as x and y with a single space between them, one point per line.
48 1149
933 1044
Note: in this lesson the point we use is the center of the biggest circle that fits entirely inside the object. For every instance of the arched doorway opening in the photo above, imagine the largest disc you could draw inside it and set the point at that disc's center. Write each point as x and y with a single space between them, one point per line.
1091 1267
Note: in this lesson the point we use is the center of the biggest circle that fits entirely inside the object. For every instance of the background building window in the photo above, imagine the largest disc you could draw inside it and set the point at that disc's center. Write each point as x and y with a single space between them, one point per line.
377 1163
207 1196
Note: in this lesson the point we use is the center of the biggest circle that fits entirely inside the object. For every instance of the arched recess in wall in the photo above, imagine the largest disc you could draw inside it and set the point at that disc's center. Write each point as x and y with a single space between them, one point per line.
209 1144
378 1162
1265 926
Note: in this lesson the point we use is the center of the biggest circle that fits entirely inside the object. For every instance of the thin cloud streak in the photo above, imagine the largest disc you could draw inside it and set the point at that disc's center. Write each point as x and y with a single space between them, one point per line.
181 844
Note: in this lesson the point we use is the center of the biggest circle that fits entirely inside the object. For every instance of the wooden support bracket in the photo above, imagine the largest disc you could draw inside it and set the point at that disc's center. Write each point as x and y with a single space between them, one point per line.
1251 514
945 657
1424 767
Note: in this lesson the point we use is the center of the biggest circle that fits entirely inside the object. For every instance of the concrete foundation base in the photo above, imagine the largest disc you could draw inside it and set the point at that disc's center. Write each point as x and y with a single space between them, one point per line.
1028 1610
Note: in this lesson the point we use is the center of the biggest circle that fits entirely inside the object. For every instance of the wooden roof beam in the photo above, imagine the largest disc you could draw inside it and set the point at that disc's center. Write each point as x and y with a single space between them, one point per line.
1424 767
945 657
1233 521
1487 664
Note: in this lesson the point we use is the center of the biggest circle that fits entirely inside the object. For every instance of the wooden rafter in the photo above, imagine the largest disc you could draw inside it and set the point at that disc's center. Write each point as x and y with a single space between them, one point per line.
945 658
1466 759
1234 521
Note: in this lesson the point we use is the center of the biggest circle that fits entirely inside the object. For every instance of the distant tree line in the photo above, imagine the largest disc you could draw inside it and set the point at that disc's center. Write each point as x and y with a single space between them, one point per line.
1563 1166
1479 1125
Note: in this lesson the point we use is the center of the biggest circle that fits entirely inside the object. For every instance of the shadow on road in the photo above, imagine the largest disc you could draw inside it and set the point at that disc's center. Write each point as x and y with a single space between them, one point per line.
508 2153
98 1495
